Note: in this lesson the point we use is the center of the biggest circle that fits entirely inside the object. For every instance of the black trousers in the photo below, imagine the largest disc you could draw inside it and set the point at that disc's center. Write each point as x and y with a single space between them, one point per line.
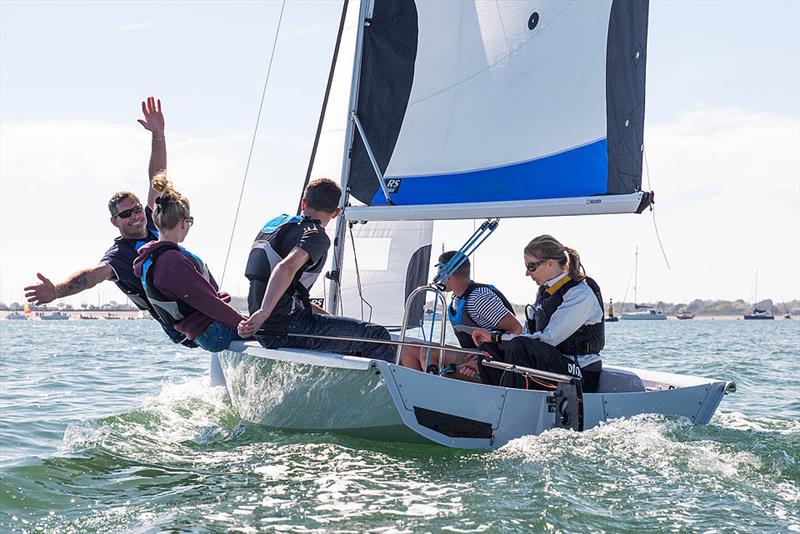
526 352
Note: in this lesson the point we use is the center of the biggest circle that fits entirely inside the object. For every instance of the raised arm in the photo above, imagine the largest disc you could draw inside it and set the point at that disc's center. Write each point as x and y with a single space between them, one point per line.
46 291
279 282
154 122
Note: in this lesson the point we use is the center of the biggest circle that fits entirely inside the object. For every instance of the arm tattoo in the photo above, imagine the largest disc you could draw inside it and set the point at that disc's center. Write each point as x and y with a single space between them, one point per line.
79 282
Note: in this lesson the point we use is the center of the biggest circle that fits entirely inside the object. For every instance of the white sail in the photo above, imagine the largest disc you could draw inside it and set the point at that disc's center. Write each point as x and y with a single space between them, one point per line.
486 108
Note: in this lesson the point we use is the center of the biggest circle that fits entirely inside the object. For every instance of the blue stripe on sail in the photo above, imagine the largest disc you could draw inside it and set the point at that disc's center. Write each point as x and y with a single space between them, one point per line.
578 172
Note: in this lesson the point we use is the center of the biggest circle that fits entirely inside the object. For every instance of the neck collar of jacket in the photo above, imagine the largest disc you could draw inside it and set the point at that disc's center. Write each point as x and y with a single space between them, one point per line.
556 283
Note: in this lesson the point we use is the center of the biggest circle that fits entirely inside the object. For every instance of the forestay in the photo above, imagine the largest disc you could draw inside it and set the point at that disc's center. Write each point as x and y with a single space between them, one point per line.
476 109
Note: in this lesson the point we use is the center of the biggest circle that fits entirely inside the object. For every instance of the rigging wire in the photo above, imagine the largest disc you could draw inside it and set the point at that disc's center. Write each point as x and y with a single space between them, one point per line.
324 104
653 211
358 277
627 286
252 143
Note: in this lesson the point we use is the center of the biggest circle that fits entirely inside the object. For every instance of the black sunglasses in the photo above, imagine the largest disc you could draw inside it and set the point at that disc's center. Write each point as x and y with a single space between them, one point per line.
127 213
190 220
531 266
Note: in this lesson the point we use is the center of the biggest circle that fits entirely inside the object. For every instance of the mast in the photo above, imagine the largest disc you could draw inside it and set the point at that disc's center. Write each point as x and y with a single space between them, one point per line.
636 278
341 222
755 294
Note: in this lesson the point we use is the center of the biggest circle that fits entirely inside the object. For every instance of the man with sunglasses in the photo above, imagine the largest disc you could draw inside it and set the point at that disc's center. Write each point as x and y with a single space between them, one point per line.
135 225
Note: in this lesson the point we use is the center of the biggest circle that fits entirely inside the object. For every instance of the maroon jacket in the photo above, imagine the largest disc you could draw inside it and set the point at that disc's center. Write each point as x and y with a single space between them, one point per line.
177 277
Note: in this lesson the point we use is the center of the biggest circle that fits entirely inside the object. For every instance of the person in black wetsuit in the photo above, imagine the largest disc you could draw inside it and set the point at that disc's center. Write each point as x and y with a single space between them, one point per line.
565 328
285 260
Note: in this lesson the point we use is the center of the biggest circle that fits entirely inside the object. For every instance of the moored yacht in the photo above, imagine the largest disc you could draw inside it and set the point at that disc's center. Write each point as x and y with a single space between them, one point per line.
759 314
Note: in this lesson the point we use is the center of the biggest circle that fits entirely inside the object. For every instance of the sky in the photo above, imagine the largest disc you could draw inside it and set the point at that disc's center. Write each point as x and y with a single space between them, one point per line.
722 138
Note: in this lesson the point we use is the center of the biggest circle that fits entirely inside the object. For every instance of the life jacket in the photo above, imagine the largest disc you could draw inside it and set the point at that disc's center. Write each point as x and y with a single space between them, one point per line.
133 289
588 339
460 317
264 258
171 311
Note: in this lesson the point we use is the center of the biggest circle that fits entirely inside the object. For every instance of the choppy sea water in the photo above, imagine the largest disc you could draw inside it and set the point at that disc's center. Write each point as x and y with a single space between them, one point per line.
106 427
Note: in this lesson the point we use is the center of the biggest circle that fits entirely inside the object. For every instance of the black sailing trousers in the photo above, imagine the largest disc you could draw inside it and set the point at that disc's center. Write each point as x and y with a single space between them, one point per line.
528 352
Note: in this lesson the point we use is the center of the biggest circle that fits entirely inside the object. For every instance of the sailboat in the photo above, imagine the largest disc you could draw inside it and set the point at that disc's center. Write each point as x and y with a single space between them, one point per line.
759 314
464 110
642 312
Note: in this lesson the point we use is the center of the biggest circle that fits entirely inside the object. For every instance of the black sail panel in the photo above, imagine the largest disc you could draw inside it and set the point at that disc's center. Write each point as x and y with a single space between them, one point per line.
626 61
387 74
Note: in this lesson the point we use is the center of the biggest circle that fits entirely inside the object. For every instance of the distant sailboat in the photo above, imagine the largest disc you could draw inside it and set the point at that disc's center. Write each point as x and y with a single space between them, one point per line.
759 314
648 313
55 316
684 315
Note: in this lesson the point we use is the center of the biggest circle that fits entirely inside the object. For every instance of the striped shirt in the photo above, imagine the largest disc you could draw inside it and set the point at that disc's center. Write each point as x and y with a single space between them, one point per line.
484 307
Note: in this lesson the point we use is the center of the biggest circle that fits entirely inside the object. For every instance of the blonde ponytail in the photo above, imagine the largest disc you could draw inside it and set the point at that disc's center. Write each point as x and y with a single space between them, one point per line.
171 206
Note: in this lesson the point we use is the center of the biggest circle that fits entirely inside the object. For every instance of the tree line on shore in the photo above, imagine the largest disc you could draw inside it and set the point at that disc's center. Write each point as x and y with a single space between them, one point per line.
697 307
706 307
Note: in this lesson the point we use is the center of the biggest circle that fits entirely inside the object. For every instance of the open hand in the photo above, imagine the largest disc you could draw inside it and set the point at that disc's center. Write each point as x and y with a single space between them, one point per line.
153 118
481 336
41 293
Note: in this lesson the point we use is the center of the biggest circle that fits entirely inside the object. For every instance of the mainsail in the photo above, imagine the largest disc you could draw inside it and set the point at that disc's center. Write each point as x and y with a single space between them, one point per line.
505 109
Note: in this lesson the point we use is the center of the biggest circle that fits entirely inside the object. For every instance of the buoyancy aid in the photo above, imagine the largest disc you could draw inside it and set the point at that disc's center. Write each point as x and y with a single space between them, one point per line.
264 258
129 287
135 292
170 311
460 317
588 339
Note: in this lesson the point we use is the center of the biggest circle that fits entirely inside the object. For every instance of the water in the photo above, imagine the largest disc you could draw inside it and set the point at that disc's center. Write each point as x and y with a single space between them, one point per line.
104 427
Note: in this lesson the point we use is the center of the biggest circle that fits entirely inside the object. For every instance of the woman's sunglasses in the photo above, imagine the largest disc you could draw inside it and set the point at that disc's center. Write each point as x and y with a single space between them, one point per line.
127 213
531 266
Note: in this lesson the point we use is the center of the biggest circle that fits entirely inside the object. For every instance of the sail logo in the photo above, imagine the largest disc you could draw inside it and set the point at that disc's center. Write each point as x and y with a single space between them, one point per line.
317 302
393 185
593 201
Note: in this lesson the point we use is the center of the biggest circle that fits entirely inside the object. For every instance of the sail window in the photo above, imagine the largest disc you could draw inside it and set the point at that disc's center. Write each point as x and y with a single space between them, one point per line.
533 21
373 254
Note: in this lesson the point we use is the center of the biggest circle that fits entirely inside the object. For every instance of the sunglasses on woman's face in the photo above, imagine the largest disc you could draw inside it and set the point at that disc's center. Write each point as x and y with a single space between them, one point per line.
531 266
127 213
190 220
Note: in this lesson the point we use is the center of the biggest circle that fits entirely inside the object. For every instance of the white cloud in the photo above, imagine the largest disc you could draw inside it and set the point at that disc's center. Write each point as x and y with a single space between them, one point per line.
56 178
727 188
727 185
133 26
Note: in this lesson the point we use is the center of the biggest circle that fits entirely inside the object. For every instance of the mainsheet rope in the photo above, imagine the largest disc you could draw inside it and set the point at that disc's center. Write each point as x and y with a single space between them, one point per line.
252 144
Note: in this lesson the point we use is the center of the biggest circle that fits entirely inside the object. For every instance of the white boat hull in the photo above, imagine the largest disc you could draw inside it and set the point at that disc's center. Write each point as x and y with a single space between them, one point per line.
644 317
305 391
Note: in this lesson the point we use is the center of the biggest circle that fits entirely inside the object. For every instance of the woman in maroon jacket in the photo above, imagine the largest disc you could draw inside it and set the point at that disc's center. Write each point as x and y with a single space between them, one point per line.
177 283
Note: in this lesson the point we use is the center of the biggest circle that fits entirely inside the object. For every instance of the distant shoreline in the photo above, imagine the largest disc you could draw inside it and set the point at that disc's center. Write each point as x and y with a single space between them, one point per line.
75 315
